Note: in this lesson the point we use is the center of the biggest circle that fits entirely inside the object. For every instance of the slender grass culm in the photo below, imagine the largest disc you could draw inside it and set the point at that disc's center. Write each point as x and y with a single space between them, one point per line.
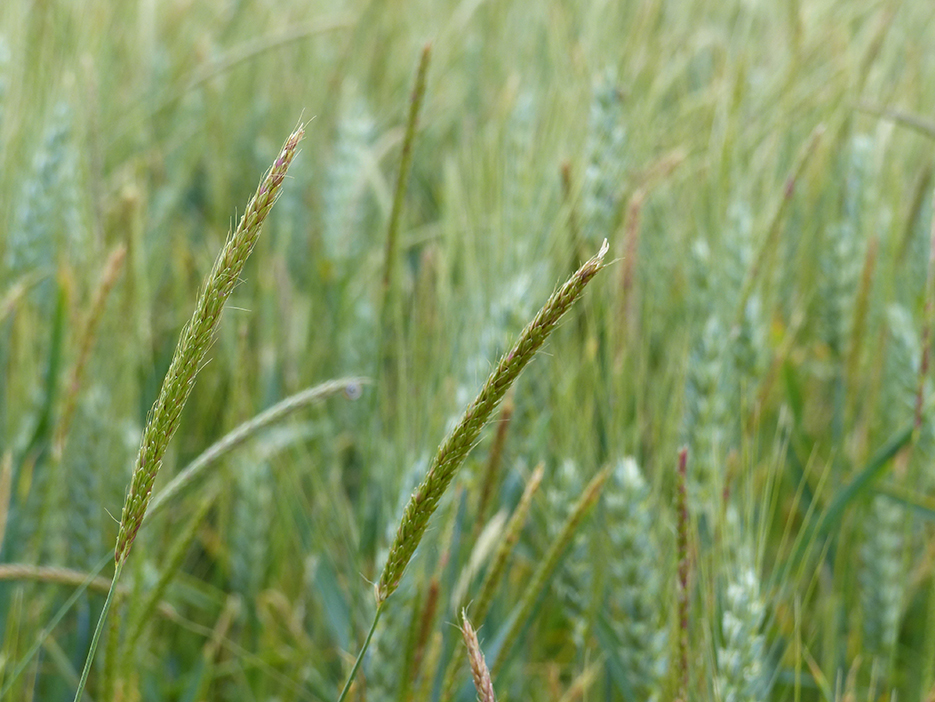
188 359
463 437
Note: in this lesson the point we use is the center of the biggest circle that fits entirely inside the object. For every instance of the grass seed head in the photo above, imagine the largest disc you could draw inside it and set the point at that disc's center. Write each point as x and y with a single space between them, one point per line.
458 443
193 346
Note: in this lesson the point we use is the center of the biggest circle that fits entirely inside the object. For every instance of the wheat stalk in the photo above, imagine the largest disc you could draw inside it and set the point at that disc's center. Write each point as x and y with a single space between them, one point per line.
350 386
112 270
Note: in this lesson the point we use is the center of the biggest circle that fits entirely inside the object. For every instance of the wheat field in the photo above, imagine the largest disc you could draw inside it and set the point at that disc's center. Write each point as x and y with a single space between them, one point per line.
439 351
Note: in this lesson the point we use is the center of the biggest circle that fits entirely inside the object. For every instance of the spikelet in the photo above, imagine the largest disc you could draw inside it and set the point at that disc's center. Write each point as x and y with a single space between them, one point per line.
742 671
462 438
718 278
606 161
900 370
479 671
48 220
882 576
707 422
193 345
572 582
748 341
250 526
899 392
637 576
844 251
341 225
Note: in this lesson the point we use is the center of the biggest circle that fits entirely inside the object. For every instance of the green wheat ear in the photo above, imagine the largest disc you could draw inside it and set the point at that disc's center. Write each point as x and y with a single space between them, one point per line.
742 672
636 577
193 345
461 440
458 443
188 359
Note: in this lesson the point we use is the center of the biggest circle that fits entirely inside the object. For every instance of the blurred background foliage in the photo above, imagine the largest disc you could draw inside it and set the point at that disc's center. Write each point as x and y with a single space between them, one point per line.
763 174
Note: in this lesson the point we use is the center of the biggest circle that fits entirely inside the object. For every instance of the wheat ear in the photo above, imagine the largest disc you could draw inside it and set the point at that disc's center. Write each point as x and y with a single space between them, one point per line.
461 440
458 443
188 358
193 346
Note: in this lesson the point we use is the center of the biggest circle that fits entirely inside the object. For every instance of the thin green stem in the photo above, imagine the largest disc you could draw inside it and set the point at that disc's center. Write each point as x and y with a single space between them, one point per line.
97 632
63 610
351 387
360 656
405 162
547 566
768 247
390 354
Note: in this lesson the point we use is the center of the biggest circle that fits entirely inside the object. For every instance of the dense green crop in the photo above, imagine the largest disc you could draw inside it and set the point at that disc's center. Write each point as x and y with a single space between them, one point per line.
357 486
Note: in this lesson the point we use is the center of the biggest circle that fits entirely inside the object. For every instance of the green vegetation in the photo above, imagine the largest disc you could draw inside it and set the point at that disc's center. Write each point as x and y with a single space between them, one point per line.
361 481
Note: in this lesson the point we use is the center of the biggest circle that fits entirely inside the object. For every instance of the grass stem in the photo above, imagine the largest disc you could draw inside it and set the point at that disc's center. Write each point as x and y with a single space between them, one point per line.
83 681
360 656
